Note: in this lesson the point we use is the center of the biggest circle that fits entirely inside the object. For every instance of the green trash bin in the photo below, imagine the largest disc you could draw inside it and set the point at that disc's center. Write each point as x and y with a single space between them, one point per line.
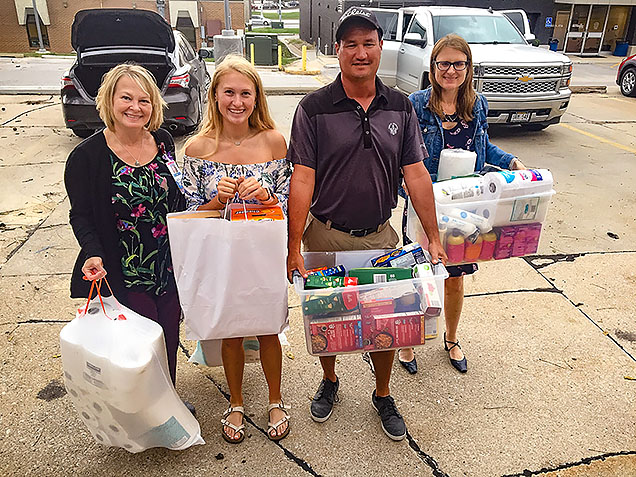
277 24
265 48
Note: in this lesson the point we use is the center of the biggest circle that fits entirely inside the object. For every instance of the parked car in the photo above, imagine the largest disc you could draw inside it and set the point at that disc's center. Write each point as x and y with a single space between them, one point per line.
523 84
626 76
258 20
292 4
104 38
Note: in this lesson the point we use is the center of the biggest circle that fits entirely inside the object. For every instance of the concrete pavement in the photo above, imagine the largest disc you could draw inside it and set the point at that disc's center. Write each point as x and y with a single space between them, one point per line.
550 340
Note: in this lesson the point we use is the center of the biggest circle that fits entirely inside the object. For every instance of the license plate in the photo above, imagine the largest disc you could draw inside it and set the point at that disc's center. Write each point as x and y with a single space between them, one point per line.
520 117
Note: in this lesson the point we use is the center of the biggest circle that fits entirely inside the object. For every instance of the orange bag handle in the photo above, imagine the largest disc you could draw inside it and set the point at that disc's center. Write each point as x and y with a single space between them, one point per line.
96 285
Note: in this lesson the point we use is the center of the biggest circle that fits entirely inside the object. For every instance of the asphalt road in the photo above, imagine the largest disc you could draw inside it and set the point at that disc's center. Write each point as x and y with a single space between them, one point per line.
550 339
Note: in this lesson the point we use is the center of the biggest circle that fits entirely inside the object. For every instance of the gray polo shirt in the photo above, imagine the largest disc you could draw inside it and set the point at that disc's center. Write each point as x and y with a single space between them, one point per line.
357 155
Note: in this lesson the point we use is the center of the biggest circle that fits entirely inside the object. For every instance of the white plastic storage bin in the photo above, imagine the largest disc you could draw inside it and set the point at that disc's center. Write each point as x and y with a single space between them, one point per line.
497 216
374 317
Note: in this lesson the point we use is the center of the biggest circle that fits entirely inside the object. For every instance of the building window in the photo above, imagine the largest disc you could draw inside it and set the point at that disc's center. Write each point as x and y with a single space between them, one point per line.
32 32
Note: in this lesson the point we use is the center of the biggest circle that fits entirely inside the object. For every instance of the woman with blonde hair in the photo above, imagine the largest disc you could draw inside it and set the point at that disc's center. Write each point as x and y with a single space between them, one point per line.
453 115
121 188
237 154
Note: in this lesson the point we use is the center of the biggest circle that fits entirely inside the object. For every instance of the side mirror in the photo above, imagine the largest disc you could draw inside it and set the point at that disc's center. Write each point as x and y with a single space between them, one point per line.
415 39
203 53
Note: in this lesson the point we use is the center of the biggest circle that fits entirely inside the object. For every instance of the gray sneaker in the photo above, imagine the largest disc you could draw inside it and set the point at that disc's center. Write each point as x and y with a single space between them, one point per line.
392 421
322 404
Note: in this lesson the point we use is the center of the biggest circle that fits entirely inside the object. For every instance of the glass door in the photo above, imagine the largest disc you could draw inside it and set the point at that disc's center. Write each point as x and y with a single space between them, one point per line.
578 25
594 32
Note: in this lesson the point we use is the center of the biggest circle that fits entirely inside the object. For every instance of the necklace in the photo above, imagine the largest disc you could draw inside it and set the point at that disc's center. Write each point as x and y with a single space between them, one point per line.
450 118
137 163
239 141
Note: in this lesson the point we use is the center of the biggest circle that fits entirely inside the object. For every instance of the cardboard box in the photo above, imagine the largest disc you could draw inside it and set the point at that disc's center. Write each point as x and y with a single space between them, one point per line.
336 335
397 330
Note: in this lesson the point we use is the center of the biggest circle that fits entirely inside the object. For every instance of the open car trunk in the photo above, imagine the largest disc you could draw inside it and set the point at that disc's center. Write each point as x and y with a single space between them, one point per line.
104 38
93 65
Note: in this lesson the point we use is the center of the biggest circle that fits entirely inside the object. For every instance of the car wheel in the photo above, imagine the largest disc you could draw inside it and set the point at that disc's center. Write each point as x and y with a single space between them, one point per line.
534 126
265 23
83 133
628 82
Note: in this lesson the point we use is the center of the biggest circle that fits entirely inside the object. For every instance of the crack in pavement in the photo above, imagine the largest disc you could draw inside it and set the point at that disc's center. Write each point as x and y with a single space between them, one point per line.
569 465
290 455
34 321
565 257
27 112
30 233
427 459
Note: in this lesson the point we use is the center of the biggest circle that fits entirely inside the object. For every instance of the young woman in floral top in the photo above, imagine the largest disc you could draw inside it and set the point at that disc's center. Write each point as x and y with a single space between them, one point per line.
120 191
238 155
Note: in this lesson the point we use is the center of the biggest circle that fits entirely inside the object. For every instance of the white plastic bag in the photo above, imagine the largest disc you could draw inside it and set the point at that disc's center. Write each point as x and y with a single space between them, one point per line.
231 275
116 373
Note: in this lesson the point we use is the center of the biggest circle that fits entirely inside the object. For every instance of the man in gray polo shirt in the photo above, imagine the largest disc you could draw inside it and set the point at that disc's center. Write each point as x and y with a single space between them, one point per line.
350 140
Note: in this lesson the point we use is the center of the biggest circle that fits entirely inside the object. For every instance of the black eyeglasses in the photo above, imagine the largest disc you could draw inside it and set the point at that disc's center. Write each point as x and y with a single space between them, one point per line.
445 65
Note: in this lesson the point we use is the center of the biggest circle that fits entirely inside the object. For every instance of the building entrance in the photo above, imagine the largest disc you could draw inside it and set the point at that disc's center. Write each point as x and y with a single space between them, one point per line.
587 30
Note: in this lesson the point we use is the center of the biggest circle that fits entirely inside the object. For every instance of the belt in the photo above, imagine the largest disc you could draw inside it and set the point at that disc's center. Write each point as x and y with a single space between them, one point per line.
352 232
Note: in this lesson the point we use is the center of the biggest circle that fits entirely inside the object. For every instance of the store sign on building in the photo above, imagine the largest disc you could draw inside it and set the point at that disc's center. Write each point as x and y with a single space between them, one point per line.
339 6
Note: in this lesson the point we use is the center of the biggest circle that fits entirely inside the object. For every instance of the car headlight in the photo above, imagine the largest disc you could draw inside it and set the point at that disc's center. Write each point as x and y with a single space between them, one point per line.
565 82
566 69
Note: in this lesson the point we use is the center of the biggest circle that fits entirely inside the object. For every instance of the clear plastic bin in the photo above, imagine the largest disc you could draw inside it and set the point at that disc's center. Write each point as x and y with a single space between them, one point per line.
516 224
374 317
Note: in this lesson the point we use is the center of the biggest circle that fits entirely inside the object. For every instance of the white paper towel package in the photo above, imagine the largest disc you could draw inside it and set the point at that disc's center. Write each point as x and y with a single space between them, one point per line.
455 163
116 373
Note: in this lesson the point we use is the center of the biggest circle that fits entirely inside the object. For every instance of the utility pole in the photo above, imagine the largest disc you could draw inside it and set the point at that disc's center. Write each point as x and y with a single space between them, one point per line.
37 24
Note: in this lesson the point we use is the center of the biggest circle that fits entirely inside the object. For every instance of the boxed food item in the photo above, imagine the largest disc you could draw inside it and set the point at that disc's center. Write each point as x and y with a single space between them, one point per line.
397 330
337 271
406 256
320 281
393 311
367 275
255 212
336 335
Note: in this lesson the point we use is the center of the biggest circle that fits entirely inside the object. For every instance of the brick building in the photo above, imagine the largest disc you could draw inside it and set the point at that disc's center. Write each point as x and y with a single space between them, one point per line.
199 20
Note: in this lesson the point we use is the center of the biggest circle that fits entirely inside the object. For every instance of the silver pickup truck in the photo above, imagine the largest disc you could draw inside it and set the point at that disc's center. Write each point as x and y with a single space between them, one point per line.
523 84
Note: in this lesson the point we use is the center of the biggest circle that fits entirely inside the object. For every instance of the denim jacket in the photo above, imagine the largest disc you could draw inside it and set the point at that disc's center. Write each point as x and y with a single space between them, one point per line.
431 127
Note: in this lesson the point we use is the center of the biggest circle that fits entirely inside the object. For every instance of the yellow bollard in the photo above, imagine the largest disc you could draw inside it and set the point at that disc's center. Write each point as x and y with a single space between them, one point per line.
252 53
280 58
304 57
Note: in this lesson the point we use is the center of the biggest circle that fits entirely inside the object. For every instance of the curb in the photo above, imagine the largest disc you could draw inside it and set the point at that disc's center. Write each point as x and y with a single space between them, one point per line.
588 89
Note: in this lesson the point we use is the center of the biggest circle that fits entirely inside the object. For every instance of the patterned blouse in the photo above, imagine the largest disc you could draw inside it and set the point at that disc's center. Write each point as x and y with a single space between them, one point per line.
140 203
200 178
460 136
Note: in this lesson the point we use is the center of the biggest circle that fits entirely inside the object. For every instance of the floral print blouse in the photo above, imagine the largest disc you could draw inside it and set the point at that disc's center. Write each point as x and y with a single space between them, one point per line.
200 178
140 203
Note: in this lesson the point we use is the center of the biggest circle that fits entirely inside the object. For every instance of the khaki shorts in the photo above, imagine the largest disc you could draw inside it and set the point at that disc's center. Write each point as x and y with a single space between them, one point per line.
320 238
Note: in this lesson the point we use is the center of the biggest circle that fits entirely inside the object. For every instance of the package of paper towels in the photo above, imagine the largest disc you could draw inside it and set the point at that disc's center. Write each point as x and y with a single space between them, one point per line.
116 373
504 184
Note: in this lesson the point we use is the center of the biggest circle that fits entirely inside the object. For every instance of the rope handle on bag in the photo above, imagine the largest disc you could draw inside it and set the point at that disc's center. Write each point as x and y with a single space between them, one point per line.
96 285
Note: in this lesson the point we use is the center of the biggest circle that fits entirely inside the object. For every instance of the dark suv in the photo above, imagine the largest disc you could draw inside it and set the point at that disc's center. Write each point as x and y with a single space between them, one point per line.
104 38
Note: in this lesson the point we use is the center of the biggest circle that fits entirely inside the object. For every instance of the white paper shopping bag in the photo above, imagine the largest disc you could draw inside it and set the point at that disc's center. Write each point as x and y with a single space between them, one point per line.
231 275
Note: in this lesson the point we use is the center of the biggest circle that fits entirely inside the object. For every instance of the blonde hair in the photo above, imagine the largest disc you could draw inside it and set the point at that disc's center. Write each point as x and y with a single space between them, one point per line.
144 80
466 95
259 120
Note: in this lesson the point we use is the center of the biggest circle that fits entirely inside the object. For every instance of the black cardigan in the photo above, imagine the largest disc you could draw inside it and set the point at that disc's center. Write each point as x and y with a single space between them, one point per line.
87 178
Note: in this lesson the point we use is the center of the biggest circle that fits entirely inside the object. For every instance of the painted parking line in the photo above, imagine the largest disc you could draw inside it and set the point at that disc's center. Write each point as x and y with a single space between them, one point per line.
599 138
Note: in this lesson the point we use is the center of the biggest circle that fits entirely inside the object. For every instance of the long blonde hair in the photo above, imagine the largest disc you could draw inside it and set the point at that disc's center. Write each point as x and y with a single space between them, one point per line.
466 95
259 120
144 79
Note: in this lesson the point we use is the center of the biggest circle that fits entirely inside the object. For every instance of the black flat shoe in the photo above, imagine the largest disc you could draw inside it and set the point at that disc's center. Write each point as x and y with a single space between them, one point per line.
410 366
460 365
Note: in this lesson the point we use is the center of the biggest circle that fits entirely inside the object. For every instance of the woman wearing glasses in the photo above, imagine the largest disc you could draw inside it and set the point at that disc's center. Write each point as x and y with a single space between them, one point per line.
452 115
